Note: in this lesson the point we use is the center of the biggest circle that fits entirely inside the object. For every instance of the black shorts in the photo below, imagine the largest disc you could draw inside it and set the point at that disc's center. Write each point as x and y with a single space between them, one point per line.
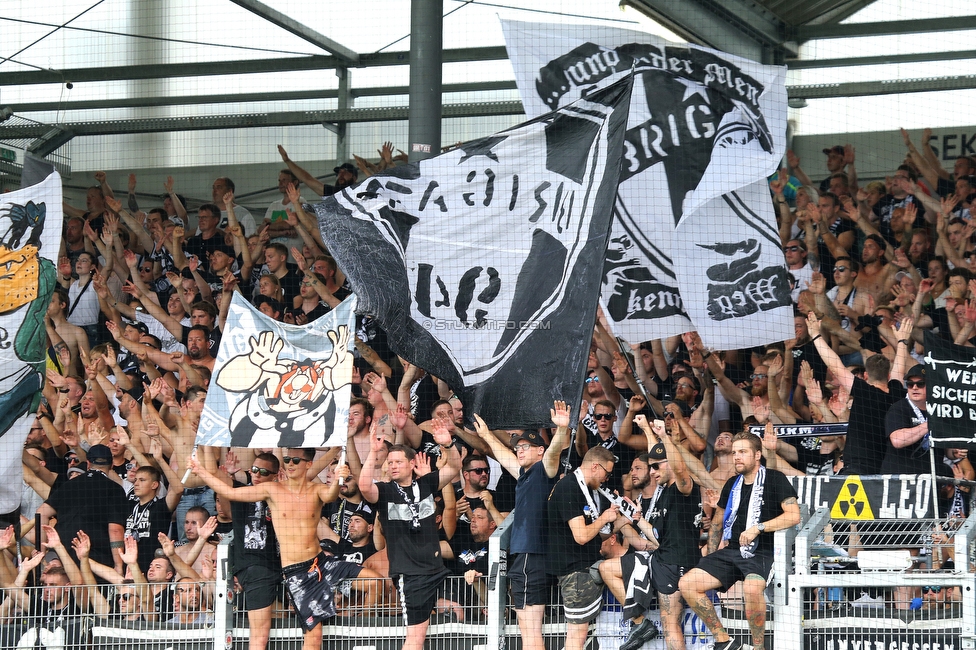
729 567
528 580
312 587
261 585
665 577
418 595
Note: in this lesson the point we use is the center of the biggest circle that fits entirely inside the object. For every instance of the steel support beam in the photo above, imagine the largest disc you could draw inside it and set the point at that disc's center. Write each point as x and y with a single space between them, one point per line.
258 120
884 59
868 88
426 71
885 28
289 24
291 96
735 28
246 66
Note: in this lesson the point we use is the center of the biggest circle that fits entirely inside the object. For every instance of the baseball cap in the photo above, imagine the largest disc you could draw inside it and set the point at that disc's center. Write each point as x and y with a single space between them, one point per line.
100 455
176 221
879 240
135 393
365 512
349 167
75 470
531 437
657 453
226 250
837 148
918 370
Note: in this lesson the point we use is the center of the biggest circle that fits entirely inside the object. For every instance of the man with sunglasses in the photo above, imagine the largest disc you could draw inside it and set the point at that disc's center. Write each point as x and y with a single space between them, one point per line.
254 553
908 430
310 575
795 251
578 515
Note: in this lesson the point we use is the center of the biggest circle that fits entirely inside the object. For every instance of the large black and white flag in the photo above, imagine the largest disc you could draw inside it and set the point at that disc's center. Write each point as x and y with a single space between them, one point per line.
950 397
483 264
694 243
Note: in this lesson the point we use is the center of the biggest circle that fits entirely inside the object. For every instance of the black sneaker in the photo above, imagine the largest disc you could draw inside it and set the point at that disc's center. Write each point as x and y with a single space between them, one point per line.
639 635
731 644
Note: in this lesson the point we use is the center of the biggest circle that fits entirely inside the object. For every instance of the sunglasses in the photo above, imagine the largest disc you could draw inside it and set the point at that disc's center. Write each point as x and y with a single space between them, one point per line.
292 460
840 269
479 470
931 590
757 376
603 416
590 380
127 597
654 466
915 384
790 249
260 471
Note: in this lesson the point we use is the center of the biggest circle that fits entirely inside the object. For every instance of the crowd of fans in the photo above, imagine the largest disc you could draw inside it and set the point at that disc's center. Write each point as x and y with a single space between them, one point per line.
136 322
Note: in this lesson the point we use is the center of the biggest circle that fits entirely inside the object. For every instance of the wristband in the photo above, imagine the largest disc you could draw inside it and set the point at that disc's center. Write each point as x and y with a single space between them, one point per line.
906 343
815 338
706 354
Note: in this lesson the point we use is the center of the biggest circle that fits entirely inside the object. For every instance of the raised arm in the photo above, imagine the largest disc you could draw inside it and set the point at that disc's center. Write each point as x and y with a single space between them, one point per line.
313 183
834 363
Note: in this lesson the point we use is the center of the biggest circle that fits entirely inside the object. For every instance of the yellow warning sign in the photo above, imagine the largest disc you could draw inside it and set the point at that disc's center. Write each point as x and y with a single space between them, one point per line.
852 501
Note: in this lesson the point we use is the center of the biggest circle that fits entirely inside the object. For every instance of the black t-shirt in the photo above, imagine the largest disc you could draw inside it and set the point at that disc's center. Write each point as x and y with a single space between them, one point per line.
564 555
144 523
529 530
213 340
809 458
413 549
776 490
197 245
355 554
913 459
469 554
808 352
866 436
254 542
338 513
677 519
291 284
90 503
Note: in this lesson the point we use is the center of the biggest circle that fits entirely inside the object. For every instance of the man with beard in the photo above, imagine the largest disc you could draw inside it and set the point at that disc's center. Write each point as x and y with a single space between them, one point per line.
795 251
346 175
337 514
475 474
754 504
876 270
632 588
470 555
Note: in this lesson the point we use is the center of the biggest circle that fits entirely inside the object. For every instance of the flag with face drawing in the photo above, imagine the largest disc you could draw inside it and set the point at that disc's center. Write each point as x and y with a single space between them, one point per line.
30 236
482 265
694 242
279 385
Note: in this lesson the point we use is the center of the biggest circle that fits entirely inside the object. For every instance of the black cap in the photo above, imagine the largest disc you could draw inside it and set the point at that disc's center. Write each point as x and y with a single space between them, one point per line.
349 167
837 148
918 370
365 512
100 455
135 392
531 437
226 250
657 453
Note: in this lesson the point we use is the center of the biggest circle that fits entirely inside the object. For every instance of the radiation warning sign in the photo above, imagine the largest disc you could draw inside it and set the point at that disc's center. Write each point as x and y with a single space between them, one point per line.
852 501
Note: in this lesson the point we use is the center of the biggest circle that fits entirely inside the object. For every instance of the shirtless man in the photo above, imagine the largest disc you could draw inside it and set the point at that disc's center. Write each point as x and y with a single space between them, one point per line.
72 336
296 506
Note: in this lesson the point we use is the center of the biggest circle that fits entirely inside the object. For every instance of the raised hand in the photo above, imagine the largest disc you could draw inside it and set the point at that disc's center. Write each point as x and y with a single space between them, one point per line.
422 465
559 413
130 550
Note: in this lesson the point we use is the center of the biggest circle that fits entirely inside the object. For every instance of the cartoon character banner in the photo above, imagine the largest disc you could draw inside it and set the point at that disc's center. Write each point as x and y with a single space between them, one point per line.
279 385
694 242
482 264
30 233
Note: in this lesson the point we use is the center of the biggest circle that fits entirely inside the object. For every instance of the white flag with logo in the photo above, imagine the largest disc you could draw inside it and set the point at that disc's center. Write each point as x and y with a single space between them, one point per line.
694 244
